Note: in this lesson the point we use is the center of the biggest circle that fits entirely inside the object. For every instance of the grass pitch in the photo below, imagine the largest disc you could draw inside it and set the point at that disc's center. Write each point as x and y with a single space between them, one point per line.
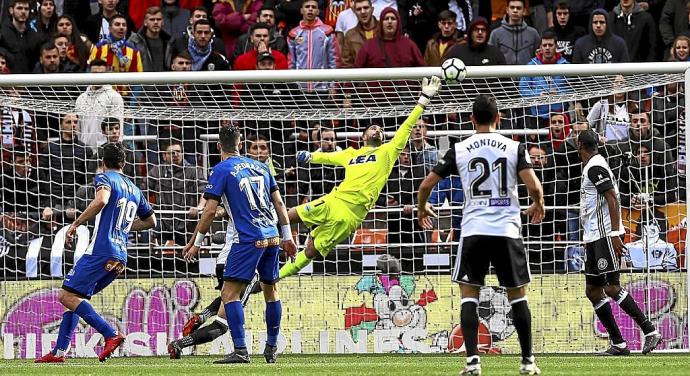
362 365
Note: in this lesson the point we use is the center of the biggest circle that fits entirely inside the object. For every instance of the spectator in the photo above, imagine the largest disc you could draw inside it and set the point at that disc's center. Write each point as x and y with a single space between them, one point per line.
151 41
419 18
175 17
566 30
112 132
610 116
97 102
18 129
313 46
581 10
674 21
545 86
181 42
366 28
421 151
97 26
65 165
4 67
514 38
80 44
45 19
204 58
19 40
630 22
348 19
20 183
69 63
559 129
114 48
668 114
568 181
463 11
317 180
390 48
258 149
260 34
276 41
234 17
680 50
642 133
176 185
444 40
49 60
600 46
477 50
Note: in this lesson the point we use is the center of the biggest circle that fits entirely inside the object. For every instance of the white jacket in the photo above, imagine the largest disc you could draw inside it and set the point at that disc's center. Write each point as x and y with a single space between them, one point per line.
92 106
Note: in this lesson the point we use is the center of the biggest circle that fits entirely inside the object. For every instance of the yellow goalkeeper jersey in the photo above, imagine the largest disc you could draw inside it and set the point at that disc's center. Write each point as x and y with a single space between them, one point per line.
367 168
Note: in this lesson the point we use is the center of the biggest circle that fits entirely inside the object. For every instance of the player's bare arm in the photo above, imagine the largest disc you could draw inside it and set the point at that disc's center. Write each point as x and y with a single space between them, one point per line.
287 243
614 212
424 210
95 207
144 224
190 250
534 212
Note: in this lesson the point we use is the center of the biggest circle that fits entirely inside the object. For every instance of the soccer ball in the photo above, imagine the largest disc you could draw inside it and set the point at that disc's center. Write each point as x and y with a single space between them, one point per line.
454 70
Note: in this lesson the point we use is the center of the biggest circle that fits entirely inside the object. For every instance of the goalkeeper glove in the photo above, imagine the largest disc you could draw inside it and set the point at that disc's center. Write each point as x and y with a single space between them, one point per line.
303 156
429 89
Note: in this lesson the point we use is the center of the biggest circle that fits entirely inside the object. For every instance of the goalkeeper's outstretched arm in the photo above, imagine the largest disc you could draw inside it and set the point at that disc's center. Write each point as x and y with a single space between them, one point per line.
429 89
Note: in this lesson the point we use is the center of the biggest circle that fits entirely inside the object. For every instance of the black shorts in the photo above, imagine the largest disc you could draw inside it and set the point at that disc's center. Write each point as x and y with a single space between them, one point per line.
602 266
220 269
507 255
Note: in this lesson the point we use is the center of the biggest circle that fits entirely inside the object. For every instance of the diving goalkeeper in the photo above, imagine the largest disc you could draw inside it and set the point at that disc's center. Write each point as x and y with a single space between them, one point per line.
339 213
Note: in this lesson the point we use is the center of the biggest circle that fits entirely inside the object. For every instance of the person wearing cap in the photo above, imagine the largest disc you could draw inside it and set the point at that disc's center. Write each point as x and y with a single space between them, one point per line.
259 35
265 61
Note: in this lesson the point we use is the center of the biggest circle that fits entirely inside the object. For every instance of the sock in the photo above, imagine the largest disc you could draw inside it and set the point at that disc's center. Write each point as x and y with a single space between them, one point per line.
204 334
292 268
469 322
605 315
235 316
274 311
69 322
628 304
522 319
86 312
210 310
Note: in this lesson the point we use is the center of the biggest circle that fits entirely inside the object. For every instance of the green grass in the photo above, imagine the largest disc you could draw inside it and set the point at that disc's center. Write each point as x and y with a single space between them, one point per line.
386 365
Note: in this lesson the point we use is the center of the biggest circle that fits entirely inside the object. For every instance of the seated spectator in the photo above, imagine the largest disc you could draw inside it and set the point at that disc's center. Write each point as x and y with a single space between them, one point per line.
680 50
200 48
673 21
545 86
234 18
49 60
365 29
637 28
447 36
276 41
421 151
260 34
111 129
477 50
114 48
600 46
45 19
175 17
69 62
80 44
180 42
565 29
20 183
610 116
97 26
151 41
18 39
515 38
390 48
176 185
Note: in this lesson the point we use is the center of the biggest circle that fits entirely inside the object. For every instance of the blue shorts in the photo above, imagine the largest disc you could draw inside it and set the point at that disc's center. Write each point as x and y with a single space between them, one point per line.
246 258
92 274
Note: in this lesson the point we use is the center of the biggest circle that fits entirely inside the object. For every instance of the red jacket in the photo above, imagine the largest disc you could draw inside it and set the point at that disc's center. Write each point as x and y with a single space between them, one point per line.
400 51
231 21
247 61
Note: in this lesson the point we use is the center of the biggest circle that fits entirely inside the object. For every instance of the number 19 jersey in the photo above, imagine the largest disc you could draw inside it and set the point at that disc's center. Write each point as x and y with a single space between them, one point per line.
488 164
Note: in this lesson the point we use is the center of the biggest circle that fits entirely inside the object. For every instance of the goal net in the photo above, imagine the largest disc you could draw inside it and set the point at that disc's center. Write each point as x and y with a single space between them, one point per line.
354 300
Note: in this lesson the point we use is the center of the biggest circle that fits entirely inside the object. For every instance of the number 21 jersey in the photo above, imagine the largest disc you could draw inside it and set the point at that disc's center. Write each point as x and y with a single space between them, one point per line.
488 164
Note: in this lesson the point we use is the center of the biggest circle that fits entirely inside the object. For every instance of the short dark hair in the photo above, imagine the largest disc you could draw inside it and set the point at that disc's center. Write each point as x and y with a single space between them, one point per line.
563 4
198 9
183 54
641 111
108 122
15 2
228 138
267 7
116 16
447 15
305 1
201 22
114 155
48 46
153 10
589 140
548 34
98 63
259 25
484 109
254 138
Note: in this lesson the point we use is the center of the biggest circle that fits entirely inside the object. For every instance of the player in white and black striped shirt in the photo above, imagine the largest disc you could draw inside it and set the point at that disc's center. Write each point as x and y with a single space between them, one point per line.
600 216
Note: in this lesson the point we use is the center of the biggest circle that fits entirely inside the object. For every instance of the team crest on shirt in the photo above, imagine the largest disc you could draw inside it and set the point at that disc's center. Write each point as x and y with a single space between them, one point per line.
602 263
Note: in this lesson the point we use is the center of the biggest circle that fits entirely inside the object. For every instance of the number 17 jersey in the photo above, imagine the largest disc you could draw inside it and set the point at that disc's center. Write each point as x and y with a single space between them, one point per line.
488 165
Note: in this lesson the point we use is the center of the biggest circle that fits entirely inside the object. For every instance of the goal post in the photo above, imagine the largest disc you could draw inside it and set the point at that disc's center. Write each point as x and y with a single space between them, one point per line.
353 301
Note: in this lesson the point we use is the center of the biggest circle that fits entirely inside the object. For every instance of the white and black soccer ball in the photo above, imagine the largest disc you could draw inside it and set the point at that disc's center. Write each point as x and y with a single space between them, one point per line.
454 70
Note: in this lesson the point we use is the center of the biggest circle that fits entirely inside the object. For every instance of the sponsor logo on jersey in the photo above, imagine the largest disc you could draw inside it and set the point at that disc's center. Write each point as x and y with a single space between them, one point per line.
499 202
363 159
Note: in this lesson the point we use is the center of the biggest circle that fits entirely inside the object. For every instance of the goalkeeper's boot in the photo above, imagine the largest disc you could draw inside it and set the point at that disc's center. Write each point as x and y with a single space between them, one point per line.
175 349
529 367
651 341
615 350
192 324
111 344
237 356
270 353
472 368
50 358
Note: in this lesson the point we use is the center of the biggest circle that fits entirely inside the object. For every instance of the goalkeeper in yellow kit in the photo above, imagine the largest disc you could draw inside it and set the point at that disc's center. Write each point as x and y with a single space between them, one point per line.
339 213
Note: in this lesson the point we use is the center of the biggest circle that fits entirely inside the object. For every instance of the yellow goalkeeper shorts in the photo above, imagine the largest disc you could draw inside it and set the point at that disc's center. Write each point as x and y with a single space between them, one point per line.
334 219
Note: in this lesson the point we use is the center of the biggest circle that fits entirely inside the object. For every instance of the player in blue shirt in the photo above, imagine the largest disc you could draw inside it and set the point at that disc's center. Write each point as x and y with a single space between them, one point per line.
252 201
117 205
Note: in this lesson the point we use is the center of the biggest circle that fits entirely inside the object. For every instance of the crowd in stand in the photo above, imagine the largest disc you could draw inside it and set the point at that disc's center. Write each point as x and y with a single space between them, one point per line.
47 166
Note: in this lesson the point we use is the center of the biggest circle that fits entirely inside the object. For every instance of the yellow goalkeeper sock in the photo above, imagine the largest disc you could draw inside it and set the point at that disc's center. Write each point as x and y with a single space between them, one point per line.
291 268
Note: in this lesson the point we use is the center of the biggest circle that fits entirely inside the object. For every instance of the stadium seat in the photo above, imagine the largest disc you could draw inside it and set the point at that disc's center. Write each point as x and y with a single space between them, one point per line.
377 237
